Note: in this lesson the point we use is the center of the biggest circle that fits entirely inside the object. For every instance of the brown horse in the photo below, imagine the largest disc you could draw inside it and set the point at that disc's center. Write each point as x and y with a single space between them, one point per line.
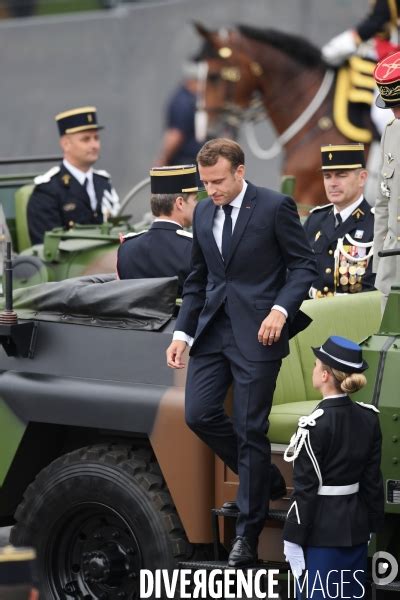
296 90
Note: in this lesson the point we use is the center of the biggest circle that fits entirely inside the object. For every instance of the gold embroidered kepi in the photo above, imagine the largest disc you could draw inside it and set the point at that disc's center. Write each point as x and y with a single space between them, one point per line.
387 77
174 180
343 156
17 566
77 119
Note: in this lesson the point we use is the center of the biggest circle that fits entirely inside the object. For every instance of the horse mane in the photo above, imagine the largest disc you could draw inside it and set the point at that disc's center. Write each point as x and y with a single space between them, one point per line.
295 46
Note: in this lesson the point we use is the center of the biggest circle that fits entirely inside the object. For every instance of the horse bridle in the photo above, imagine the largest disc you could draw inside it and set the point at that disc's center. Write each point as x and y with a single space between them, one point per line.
255 112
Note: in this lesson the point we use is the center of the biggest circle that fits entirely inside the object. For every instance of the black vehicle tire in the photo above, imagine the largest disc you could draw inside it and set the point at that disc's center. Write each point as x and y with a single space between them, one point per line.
96 516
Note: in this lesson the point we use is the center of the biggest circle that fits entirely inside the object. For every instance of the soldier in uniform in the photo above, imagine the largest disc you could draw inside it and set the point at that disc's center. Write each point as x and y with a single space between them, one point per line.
387 207
341 232
165 249
73 192
17 574
338 497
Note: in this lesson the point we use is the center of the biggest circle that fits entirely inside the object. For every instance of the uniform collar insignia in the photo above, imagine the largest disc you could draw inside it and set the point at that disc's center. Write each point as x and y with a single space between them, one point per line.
389 157
66 179
357 213
317 236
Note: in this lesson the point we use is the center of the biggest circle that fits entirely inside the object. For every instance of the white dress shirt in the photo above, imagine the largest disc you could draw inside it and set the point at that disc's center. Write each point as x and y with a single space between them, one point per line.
346 212
217 232
81 176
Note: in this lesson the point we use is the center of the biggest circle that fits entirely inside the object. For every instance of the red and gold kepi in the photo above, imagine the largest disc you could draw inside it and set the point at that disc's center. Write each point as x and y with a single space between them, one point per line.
342 157
174 180
77 119
387 77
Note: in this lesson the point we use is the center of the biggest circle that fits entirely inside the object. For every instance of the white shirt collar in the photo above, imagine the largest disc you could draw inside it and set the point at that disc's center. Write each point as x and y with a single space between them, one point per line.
346 212
77 173
334 396
161 220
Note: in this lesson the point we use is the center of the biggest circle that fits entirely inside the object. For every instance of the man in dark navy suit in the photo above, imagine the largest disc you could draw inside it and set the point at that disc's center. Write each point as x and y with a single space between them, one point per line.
165 249
73 192
251 268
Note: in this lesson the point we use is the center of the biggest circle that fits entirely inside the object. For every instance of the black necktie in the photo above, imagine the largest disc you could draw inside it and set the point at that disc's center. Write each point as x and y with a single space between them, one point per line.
338 220
227 232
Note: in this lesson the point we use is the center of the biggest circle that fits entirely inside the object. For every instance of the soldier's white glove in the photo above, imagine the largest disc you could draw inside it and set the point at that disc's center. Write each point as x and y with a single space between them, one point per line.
110 203
339 48
295 557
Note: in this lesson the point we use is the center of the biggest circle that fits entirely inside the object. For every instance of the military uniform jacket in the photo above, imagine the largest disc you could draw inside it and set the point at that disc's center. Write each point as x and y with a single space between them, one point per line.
382 14
343 442
387 210
333 276
162 251
59 200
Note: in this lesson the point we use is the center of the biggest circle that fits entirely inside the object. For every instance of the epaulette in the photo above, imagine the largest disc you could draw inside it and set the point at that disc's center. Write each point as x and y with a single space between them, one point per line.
329 205
184 233
370 406
45 178
132 234
102 173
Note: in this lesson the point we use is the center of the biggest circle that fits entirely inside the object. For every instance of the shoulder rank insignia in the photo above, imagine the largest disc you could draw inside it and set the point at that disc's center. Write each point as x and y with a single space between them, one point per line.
45 178
358 213
317 236
66 179
102 173
132 234
370 406
329 205
184 233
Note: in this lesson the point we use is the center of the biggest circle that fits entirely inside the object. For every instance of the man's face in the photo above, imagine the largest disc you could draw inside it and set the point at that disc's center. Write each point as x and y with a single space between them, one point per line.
222 182
396 111
344 187
187 210
81 149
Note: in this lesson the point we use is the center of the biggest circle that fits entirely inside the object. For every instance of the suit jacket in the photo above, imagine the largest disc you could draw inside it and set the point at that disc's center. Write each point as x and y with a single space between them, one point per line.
59 200
270 263
347 520
387 210
159 252
323 237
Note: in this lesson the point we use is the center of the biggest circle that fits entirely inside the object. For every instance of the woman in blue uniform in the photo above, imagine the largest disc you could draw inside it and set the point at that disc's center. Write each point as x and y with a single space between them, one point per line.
338 499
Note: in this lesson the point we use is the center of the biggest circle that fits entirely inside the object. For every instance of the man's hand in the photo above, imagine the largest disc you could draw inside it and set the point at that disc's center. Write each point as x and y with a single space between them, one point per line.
271 327
174 354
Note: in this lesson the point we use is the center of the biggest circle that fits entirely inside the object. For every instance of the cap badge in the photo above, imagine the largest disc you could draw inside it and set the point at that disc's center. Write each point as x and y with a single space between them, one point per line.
89 118
330 155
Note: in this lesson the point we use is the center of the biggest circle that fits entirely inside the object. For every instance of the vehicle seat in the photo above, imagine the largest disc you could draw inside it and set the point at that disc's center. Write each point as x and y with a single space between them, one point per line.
22 196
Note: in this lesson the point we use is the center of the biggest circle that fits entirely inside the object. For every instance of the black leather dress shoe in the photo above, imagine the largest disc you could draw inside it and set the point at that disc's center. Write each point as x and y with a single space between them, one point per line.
230 505
242 553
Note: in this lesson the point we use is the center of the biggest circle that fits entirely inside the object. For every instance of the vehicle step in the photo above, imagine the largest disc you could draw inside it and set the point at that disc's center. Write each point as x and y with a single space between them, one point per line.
209 565
274 515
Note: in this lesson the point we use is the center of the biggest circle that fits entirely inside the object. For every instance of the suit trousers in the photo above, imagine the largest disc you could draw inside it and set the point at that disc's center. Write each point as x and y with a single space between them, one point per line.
241 441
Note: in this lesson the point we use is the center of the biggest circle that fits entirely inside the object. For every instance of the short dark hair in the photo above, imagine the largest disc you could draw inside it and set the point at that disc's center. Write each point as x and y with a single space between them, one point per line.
163 204
213 149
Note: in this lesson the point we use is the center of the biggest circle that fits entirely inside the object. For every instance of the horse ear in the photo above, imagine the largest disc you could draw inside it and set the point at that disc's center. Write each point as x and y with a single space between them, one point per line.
202 31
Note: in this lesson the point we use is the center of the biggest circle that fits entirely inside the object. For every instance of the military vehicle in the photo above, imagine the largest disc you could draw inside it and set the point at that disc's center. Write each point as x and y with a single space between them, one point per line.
98 470
83 250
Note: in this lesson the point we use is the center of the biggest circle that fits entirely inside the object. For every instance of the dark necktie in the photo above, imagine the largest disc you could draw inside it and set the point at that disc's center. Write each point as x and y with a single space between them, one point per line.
338 220
227 232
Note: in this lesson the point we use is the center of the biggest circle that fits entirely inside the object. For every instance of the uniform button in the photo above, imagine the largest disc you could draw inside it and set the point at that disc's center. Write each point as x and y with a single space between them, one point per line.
398 218
326 289
71 224
398 238
95 214
330 252
328 270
